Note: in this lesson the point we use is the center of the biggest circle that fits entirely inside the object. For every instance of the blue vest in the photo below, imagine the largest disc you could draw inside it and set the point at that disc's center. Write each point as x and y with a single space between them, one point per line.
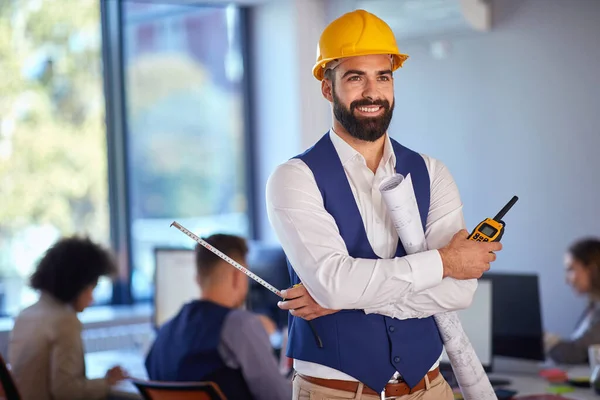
186 350
370 348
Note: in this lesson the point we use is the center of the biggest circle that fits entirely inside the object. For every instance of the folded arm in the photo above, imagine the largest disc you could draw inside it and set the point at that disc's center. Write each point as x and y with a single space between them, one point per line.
445 218
312 242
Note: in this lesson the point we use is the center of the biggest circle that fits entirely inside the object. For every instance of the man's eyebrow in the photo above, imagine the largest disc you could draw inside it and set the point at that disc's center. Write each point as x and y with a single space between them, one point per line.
359 72
353 72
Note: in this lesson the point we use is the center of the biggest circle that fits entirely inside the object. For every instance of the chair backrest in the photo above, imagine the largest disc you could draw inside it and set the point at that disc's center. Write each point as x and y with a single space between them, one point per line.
153 390
8 387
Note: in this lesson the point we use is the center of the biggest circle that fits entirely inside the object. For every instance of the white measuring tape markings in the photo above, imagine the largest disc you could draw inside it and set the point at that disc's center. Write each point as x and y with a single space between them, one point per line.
229 260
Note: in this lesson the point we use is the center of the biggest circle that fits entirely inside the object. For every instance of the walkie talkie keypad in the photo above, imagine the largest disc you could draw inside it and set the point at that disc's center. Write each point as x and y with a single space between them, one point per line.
492 229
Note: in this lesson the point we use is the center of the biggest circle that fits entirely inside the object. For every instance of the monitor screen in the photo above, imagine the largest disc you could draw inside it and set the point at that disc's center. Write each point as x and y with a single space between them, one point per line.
517 318
477 323
174 282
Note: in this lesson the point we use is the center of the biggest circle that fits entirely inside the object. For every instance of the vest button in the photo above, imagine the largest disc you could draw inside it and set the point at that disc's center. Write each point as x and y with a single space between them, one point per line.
396 359
392 328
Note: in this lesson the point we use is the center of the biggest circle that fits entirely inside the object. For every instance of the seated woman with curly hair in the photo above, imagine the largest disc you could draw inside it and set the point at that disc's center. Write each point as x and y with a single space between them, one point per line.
46 350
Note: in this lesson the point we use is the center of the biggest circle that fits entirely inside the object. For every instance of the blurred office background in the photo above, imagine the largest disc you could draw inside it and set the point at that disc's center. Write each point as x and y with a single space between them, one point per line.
118 117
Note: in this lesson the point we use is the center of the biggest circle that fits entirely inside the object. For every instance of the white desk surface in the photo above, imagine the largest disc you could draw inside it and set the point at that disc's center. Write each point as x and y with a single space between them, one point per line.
97 363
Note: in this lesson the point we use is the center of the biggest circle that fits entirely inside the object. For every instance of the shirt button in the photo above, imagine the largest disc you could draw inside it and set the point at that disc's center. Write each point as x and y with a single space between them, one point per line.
396 359
392 328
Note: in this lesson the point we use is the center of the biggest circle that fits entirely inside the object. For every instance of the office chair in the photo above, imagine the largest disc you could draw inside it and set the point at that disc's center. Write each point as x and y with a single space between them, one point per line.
8 387
153 390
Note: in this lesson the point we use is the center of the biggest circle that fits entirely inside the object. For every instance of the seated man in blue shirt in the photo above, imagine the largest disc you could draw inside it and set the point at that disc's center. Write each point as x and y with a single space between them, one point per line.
212 339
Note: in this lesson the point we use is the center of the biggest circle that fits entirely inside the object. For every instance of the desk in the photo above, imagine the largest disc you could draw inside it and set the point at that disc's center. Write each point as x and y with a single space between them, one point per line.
530 384
98 363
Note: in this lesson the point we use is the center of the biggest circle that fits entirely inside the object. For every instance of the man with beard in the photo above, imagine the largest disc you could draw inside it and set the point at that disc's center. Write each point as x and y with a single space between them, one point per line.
361 323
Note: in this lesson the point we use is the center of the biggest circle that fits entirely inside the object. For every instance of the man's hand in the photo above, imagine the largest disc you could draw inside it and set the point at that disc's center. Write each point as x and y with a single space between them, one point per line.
115 375
467 259
301 304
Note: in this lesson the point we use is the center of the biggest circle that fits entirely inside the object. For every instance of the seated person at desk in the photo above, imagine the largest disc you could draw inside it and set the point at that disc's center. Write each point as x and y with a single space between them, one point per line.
46 350
213 339
583 274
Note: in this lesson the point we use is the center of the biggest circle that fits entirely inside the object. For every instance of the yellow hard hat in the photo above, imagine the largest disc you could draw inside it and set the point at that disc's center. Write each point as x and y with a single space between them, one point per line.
357 33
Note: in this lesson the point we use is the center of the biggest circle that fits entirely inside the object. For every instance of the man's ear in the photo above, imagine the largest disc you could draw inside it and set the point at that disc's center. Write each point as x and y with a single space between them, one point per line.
238 278
327 89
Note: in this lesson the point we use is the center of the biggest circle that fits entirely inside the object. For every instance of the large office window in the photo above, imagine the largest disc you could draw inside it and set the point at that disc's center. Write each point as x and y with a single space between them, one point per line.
53 161
186 157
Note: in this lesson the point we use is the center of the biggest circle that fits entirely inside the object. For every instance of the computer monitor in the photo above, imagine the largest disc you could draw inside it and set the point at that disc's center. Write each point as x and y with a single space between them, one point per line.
517 317
477 324
174 282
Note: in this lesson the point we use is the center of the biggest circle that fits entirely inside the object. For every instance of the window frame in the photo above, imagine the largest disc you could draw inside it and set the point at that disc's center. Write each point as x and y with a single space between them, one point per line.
117 142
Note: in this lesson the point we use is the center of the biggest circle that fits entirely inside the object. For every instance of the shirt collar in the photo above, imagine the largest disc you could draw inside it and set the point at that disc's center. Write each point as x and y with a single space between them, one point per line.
347 153
388 152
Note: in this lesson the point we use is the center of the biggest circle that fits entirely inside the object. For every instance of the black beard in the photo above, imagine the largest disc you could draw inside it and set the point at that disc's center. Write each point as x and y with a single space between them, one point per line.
368 128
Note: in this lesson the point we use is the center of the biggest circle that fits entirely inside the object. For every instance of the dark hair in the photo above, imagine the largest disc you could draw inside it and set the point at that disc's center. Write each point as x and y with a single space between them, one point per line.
587 251
329 74
232 246
69 266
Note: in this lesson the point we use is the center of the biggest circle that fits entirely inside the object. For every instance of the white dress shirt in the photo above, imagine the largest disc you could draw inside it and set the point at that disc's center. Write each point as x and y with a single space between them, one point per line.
403 287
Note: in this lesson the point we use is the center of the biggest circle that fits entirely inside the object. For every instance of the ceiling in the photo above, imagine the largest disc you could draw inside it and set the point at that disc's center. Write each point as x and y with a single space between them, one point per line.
426 18
223 2
408 18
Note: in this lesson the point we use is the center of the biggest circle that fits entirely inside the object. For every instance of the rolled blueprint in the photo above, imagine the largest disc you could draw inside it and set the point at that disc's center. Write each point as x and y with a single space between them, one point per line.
399 197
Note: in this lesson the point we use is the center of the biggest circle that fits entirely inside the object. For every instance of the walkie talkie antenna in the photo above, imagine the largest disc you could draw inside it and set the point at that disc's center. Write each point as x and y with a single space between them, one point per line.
505 209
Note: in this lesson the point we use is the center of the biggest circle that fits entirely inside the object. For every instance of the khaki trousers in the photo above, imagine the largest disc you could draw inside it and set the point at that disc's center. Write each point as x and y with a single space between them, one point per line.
438 389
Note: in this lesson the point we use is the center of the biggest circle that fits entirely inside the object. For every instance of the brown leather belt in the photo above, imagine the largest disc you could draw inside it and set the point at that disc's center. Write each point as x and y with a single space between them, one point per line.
391 389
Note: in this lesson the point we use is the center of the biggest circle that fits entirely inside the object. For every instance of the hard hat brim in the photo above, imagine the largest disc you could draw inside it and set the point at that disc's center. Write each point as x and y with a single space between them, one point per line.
319 68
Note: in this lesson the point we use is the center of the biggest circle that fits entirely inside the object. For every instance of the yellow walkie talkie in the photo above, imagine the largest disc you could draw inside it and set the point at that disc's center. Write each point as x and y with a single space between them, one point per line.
491 229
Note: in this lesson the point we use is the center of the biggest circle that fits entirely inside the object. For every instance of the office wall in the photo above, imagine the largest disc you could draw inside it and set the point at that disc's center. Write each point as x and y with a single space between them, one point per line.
517 111
511 111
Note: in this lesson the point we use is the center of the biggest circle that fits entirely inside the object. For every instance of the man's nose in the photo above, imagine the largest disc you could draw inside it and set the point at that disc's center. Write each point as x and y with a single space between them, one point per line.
370 90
